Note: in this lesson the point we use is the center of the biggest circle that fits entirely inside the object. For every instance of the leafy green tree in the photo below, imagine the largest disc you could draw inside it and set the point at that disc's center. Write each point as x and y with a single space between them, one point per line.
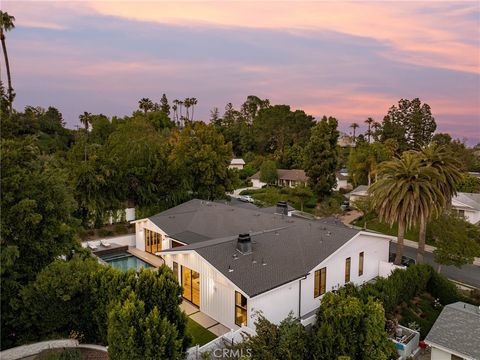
322 157
347 326
457 241
36 222
203 158
276 127
292 158
411 124
7 24
284 341
469 184
60 301
101 129
303 192
268 172
406 193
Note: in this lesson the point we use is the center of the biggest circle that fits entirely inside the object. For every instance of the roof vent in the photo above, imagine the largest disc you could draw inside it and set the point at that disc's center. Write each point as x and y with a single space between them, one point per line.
230 268
282 208
244 243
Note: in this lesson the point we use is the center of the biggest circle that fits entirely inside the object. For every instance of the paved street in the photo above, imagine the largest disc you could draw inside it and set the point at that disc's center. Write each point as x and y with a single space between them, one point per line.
468 274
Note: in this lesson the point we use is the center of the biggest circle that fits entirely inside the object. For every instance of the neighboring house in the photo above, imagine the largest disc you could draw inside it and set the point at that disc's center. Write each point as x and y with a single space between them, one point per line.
474 174
359 192
236 164
467 205
234 261
285 178
342 180
345 140
456 333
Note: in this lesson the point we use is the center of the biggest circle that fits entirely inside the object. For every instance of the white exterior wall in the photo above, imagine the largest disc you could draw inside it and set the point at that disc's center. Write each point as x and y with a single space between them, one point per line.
235 166
217 293
375 250
276 304
472 217
438 354
257 183
140 225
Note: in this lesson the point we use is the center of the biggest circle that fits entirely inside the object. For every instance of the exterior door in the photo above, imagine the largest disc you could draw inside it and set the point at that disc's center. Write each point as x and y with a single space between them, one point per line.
191 285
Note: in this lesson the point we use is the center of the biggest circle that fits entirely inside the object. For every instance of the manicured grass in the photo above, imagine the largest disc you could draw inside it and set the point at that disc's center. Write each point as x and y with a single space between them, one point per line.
421 310
200 335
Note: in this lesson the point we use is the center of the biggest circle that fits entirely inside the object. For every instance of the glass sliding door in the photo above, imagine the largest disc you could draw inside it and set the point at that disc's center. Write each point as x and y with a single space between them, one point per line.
153 241
191 285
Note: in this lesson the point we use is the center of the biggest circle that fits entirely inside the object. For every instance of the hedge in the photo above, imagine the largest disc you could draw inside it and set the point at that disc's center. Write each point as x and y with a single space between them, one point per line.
404 285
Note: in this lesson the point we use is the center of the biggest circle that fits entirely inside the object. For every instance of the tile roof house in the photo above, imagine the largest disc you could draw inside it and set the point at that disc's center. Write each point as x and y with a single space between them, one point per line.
456 333
467 205
294 177
233 261
236 164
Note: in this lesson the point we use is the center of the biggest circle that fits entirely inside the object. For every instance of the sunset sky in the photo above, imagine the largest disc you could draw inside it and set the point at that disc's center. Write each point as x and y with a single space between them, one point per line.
351 60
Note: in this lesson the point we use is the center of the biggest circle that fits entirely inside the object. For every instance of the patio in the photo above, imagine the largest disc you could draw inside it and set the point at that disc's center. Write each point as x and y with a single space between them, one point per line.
204 320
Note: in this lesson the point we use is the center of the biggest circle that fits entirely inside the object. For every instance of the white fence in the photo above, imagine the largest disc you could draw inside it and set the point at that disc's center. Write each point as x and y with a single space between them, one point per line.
129 240
386 268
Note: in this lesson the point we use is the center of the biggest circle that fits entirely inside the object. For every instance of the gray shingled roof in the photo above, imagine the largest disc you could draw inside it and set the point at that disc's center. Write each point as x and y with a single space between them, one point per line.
457 329
289 247
470 199
286 174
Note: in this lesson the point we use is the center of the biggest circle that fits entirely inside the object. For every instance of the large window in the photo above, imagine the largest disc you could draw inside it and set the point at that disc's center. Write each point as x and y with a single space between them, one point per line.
153 241
348 262
361 256
191 285
320 282
240 309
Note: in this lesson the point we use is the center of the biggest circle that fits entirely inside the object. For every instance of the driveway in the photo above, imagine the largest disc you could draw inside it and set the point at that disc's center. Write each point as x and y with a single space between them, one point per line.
236 193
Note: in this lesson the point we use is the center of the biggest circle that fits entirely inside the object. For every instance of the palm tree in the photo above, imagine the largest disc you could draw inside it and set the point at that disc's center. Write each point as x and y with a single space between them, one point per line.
193 102
369 122
145 104
187 104
406 193
354 126
175 114
7 24
86 120
376 126
449 167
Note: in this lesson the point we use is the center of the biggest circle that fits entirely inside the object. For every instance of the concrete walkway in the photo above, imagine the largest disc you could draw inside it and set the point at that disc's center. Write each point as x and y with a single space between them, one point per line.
153 260
204 320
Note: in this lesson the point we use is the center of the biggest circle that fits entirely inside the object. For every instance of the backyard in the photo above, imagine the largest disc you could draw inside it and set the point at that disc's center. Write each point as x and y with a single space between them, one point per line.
200 335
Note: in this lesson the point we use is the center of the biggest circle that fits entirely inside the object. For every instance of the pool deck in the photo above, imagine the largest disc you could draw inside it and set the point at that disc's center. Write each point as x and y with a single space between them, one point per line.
153 260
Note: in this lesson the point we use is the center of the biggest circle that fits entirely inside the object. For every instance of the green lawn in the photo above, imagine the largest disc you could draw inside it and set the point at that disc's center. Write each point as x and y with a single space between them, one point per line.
200 335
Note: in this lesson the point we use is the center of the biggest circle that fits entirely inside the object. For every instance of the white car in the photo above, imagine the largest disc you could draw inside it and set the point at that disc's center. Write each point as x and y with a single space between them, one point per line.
246 198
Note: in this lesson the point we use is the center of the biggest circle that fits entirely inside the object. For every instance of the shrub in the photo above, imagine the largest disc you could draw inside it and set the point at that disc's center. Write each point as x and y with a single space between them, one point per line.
443 289
67 354
120 229
105 232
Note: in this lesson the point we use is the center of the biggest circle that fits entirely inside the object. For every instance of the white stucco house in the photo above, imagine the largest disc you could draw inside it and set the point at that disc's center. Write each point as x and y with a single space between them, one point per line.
234 261
456 333
467 205
236 164
342 180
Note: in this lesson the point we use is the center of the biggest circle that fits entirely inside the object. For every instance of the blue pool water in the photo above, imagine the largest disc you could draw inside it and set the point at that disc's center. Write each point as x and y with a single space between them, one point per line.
125 261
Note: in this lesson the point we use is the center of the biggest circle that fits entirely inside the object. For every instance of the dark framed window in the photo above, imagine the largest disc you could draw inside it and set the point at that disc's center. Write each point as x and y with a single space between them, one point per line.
361 257
320 282
348 263
240 309
175 270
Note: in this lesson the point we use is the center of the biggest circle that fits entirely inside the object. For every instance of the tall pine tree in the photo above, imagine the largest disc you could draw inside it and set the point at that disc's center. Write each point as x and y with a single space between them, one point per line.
321 157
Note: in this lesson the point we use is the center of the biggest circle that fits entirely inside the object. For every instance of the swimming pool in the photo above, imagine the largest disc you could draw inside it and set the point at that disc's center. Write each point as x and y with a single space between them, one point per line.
125 261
